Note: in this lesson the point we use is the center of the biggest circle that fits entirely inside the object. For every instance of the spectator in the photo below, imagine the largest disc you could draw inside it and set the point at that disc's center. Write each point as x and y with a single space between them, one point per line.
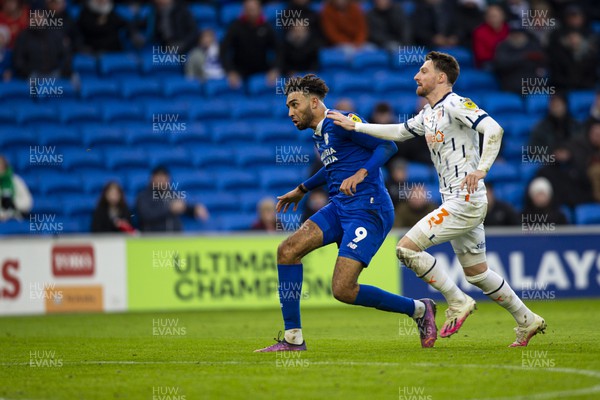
15 198
101 27
587 149
160 208
301 10
417 205
540 205
266 216
70 33
487 36
247 44
5 54
317 199
470 15
568 176
388 26
15 15
434 24
515 11
557 127
573 62
519 57
300 50
538 22
173 25
396 181
111 213
499 213
41 52
344 24
345 104
203 62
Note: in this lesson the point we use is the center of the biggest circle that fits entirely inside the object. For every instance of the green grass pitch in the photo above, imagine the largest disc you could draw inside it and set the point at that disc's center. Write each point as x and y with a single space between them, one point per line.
353 353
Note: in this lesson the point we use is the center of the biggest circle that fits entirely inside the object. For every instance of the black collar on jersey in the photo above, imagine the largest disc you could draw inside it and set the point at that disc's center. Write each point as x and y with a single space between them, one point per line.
442 99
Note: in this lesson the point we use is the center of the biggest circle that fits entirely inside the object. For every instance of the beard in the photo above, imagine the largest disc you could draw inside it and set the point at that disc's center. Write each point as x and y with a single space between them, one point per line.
304 122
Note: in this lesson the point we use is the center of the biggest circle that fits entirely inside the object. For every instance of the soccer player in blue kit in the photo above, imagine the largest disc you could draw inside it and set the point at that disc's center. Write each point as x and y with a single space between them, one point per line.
358 217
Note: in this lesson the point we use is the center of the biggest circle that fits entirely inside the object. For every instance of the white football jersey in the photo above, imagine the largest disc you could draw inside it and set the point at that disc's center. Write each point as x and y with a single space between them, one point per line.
449 129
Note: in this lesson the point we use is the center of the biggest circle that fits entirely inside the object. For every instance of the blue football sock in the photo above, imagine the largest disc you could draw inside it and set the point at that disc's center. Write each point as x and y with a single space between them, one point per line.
371 296
290 290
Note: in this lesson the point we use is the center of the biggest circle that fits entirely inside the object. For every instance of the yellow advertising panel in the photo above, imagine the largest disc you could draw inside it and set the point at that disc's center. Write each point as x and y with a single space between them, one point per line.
234 272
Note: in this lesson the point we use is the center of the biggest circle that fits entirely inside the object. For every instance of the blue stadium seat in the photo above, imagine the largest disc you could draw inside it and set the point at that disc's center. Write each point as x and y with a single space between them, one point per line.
168 65
237 221
385 83
194 133
352 85
99 89
232 179
404 105
14 227
275 178
78 112
258 84
250 109
503 172
251 156
512 148
580 102
165 111
122 112
133 88
141 134
569 214
118 64
371 60
220 88
416 172
36 113
211 156
270 11
15 89
587 214
194 181
230 12
171 156
59 136
516 124
220 202
47 205
17 139
528 171
279 110
85 65
53 182
124 158
334 59
213 110
537 105
275 131
203 13
512 193
8 117
408 58
175 87
475 80
75 160
80 206
227 132
503 102
49 89
463 55
102 136
94 181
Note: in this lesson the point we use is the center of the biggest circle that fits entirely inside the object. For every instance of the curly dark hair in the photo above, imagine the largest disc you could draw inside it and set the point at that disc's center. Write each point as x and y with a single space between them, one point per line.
307 84
446 63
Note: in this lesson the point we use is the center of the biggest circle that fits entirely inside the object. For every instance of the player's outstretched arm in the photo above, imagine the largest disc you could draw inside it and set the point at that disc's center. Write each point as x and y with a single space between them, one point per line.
492 140
394 132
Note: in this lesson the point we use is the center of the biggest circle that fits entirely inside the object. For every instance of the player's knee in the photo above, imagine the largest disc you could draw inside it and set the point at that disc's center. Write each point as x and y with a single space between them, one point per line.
286 254
344 292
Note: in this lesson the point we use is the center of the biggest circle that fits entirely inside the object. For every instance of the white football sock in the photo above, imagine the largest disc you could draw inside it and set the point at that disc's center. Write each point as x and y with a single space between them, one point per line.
497 289
419 309
294 336
426 268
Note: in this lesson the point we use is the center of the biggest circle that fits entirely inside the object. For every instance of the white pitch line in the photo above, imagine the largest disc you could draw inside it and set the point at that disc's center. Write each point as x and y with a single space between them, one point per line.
533 396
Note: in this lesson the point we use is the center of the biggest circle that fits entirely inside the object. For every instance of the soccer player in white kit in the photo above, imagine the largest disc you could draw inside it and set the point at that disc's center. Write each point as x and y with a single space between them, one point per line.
450 124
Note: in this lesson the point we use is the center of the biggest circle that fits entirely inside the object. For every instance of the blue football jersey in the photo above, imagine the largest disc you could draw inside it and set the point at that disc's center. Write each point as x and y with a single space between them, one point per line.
345 152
